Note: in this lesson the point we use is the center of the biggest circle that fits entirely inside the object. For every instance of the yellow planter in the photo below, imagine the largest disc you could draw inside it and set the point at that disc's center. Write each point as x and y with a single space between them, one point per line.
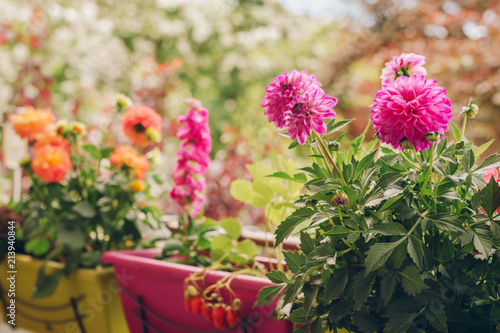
88 297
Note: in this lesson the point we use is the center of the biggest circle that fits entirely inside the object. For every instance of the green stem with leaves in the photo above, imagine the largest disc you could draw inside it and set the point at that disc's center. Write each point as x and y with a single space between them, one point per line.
463 128
430 165
329 157
410 162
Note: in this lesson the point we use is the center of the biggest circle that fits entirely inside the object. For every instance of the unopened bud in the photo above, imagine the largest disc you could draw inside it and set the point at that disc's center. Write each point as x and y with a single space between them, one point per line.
333 146
61 127
78 128
25 162
123 102
470 110
433 136
340 198
153 135
406 144
311 203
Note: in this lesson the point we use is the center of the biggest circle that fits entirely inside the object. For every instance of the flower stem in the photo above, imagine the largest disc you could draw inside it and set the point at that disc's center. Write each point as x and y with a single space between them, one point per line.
430 165
367 127
408 160
317 160
330 158
463 129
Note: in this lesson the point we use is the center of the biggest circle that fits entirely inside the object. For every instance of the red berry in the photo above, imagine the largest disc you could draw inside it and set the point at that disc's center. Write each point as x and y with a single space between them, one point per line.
219 316
187 303
206 310
196 304
232 318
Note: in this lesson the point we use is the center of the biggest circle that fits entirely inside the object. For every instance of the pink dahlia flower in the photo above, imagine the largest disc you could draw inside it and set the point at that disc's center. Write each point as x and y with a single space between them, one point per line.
410 108
307 112
407 64
192 159
282 90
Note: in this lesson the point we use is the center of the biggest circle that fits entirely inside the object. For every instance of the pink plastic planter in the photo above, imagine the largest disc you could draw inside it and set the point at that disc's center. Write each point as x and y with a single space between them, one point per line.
158 286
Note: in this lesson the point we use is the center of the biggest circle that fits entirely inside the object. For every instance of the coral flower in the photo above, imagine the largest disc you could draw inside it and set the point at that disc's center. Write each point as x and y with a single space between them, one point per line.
407 64
32 122
282 90
142 125
50 140
307 112
408 109
126 156
51 162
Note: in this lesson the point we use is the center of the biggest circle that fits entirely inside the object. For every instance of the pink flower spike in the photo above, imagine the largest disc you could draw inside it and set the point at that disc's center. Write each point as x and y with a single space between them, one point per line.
307 112
406 64
410 108
282 90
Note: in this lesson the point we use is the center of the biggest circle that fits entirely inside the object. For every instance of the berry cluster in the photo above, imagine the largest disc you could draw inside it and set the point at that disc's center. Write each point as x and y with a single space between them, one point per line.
209 302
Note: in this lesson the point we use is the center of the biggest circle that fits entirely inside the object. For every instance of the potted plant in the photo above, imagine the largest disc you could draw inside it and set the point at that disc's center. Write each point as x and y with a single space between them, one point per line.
205 281
84 199
399 238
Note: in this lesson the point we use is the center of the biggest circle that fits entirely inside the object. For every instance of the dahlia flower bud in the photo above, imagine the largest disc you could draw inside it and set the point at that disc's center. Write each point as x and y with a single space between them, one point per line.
339 198
123 102
470 110
433 136
153 135
406 144
25 162
61 127
311 203
333 146
78 128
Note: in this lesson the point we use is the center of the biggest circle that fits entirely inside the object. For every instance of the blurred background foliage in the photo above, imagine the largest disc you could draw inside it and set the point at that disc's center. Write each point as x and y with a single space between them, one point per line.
74 56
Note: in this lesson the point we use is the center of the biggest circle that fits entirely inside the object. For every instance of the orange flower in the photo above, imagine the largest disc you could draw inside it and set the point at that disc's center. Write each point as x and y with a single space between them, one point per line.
51 162
137 186
139 122
50 140
126 156
32 122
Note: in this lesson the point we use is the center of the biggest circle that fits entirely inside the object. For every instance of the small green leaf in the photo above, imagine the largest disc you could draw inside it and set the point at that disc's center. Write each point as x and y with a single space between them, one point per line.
363 164
490 197
362 288
387 286
46 285
481 149
248 248
340 230
415 250
310 299
445 222
300 316
286 227
390 229
267 295
401 322
456 132
336 285
378 254
306 243
392 203
94 152
337 126
411 280
468 160
293 144
38 246
489 162
294 260
232 227
220 246
278 277
84 209
436 316
482 243
242 190
73 237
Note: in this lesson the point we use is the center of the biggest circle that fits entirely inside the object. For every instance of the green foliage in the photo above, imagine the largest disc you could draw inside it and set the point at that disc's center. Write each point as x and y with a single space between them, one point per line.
410 250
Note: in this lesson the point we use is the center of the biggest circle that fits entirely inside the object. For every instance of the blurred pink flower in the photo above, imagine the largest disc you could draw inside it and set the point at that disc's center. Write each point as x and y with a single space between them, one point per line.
407 64
192 159
281 92
410 108
307 112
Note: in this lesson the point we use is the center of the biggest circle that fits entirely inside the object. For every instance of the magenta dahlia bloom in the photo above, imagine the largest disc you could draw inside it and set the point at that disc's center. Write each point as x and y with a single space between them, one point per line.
407 64
307 112
192 159
282 90
410 108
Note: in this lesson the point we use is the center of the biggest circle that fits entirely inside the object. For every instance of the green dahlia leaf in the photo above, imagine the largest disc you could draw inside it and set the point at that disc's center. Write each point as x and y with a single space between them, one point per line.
378 254
411 280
